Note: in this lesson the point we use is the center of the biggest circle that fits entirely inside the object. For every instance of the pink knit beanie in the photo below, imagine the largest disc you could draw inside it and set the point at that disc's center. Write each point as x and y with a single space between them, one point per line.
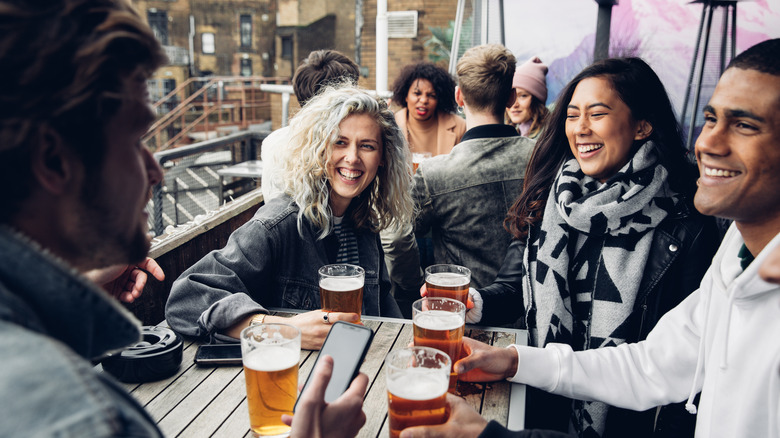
530 76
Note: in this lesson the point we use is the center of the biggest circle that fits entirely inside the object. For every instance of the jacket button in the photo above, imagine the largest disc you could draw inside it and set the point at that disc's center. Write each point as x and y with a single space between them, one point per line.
673 248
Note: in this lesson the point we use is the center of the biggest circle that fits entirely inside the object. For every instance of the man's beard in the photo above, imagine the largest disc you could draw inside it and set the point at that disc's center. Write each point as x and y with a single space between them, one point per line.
103 240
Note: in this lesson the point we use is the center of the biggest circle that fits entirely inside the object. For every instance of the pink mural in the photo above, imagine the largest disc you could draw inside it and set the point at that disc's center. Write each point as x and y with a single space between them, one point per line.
662 32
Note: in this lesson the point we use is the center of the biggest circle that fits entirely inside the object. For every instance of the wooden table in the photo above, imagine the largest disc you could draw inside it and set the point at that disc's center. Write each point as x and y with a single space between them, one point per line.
211 401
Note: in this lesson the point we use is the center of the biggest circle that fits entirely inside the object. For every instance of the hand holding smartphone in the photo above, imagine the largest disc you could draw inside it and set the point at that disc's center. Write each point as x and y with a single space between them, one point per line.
347 344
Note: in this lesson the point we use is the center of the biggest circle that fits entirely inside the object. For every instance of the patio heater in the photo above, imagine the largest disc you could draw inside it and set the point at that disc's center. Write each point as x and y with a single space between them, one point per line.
709 57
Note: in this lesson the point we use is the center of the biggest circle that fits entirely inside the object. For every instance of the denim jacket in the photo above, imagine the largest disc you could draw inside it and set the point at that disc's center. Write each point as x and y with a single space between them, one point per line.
463 198
52 323
266 263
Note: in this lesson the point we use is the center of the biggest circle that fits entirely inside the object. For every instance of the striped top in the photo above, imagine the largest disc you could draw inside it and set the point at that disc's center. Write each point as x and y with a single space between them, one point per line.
348 248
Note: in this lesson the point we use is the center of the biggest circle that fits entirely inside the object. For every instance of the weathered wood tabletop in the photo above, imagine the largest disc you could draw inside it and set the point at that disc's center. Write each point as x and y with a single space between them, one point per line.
211 401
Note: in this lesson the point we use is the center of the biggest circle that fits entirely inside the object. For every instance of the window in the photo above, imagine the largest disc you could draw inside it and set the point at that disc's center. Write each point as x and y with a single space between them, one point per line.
246 67
207 43
246 31
158 21
287 47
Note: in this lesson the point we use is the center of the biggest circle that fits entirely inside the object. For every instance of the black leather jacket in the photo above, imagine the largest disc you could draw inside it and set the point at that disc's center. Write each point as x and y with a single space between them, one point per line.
682 250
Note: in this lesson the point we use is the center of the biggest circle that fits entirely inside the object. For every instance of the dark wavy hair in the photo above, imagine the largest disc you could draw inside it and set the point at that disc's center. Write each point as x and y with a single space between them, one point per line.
63 64
320 69
642 91
763 57
443 84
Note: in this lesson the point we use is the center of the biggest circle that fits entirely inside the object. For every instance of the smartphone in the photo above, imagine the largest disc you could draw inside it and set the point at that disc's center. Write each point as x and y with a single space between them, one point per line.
348 344
218 354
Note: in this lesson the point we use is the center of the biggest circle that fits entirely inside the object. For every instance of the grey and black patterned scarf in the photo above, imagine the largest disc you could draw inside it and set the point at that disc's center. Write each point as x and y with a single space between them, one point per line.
585 263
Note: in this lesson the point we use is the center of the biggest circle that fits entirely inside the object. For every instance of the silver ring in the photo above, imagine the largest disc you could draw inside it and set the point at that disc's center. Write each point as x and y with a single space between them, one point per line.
325 318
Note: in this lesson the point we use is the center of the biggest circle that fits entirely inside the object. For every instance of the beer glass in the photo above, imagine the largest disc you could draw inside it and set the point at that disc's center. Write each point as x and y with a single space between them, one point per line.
417 380
341 288
439 323
270 354
418 157
448 281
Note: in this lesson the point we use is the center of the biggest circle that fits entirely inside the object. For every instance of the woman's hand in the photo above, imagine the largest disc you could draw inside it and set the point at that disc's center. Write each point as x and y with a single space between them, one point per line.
463 422
485 363
126 282
342 418
314 327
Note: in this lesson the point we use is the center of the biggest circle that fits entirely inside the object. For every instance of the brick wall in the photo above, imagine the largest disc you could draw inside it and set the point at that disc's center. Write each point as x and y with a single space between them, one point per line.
403 51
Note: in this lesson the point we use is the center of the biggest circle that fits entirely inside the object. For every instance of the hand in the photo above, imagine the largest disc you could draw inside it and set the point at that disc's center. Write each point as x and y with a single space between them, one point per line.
126 282
341 418
469 302
485 363
314 329
463 422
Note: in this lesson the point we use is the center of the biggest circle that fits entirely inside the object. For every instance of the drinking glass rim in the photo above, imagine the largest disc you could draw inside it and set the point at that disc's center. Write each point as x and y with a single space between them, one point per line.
358 270
456 269
244 332
434 351
444 299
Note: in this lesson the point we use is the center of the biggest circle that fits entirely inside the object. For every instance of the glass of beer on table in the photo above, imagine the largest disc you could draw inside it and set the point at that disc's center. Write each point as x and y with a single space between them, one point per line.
417 381
341 288
270 353
448 281
439 323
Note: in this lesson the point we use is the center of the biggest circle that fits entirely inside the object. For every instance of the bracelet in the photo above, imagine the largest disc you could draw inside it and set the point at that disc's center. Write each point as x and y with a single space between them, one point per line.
258 319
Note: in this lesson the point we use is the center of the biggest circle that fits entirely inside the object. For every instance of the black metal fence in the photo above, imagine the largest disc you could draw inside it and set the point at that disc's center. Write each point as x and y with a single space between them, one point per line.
192 184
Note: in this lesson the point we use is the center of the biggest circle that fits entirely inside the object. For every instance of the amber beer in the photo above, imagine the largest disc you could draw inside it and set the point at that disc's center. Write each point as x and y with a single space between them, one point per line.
270 356
439 323
448 281
417 381
341 288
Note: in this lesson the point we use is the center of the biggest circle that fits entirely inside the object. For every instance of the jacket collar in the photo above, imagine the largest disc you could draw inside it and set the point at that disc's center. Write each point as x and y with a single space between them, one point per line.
43 293
489 131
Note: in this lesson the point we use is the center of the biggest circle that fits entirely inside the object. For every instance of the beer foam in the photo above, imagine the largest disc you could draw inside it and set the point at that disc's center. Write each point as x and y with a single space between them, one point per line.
271 358
447 279
418 383
335 284
438 320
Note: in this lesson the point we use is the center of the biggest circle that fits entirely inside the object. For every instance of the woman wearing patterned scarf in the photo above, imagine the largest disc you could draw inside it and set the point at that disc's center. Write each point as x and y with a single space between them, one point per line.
606 236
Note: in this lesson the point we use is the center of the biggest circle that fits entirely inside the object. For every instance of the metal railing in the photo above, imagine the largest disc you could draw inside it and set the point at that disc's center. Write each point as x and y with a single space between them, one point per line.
206 104
192 186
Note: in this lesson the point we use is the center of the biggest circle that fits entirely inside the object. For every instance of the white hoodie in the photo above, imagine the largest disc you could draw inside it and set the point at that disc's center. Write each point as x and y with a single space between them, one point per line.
723 340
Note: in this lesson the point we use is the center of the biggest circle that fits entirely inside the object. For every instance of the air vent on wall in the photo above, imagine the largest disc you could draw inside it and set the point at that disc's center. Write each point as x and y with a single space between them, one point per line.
402 24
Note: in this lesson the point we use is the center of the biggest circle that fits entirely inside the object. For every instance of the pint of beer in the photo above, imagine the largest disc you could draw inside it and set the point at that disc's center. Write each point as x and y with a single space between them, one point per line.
439 323
341 288
448 281
270 354
417 380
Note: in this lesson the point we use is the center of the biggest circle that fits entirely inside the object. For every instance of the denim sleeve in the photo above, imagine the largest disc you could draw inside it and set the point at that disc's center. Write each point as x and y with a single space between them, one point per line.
214 293
423 203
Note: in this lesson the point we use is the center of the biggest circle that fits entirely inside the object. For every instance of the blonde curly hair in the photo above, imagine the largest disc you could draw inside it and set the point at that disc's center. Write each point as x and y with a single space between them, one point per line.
386 202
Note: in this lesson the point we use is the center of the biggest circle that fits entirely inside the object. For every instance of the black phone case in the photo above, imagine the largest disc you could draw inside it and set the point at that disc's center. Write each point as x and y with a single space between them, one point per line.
233 360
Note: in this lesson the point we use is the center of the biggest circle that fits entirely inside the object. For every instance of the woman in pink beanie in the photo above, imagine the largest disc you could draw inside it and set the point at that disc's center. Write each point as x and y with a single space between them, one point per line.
528 113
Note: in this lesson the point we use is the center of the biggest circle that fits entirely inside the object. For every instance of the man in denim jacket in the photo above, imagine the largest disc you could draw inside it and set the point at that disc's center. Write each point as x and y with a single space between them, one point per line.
464 196
74 180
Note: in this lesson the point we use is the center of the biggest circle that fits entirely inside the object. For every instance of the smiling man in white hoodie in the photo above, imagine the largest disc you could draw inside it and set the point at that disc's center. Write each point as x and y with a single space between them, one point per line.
722 340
